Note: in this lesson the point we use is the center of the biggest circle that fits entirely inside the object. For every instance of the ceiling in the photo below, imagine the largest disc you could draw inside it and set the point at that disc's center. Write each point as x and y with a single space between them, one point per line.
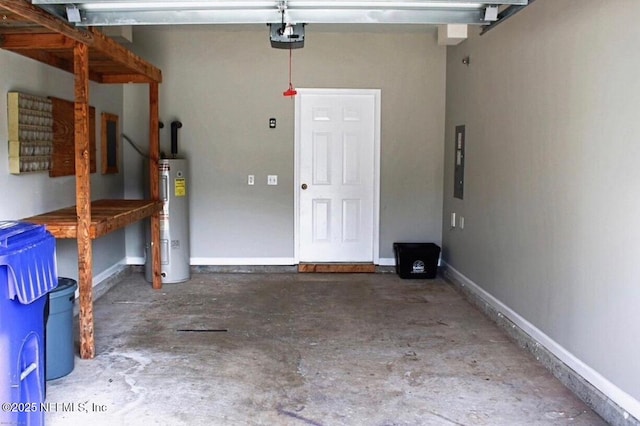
168 12
28 28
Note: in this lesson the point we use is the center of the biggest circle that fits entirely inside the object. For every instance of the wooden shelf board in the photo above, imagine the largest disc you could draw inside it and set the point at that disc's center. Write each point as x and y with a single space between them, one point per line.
106 216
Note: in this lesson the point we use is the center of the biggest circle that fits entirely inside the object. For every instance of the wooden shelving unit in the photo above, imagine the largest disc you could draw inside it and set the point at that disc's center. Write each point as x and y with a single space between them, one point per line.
89 55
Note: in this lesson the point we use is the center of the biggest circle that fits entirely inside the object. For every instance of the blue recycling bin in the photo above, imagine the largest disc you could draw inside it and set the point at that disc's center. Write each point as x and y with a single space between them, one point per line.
27 274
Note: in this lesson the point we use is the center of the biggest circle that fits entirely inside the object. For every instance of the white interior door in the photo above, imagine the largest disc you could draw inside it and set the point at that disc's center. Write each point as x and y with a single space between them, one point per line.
337 141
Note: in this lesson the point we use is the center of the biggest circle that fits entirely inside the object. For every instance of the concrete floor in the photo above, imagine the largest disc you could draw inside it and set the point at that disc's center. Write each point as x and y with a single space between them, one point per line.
304 349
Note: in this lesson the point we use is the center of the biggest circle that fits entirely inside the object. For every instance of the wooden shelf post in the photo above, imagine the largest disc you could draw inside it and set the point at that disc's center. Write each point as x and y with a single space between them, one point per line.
83 198
154 179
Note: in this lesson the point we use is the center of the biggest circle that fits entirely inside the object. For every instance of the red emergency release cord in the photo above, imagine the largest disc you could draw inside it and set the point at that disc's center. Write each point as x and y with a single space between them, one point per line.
290 91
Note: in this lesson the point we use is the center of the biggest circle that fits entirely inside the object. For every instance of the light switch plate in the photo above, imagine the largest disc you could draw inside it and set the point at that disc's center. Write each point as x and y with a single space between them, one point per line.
272 179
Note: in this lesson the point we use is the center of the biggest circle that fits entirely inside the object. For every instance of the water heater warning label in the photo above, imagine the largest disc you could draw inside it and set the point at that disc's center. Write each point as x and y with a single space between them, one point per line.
180 187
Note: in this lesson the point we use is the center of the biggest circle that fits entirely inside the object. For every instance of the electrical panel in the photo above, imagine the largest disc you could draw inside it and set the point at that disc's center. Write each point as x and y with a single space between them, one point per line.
458 169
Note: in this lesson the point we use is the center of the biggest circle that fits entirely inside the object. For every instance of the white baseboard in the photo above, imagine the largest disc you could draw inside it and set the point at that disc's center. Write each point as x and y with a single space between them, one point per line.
391 261
611 391
387 261
242 261
109 272
134 260
223 261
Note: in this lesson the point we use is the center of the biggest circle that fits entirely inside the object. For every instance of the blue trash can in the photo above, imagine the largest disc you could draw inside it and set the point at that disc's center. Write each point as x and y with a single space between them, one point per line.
27 274
60 350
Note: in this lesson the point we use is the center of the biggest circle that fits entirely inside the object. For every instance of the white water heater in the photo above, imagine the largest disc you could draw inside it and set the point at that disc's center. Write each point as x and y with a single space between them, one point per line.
174 224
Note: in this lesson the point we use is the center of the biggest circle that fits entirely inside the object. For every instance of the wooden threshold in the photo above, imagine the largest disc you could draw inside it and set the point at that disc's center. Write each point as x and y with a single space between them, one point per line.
347 268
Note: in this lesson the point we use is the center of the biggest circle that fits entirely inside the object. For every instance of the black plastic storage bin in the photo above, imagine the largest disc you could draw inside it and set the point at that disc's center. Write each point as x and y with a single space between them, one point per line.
416 260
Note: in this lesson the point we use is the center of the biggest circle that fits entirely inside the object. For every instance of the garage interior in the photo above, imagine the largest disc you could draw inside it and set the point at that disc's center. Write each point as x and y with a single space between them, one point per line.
541 240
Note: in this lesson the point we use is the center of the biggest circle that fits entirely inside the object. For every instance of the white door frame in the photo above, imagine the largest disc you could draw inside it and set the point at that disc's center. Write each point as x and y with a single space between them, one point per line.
376 93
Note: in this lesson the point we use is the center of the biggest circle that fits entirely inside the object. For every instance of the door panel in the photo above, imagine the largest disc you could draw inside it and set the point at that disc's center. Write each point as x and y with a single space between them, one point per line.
351 215
351 150
321 221
321 158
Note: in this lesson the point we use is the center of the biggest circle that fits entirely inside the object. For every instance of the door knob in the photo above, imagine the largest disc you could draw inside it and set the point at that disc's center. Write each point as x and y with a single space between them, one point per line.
304 186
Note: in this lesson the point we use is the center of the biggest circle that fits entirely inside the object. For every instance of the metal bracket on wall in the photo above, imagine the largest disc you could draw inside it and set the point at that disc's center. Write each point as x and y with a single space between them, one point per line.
504 15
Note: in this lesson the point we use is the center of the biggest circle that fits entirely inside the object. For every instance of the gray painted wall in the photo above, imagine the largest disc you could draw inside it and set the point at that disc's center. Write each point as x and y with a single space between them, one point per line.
224 83
30 194
550 102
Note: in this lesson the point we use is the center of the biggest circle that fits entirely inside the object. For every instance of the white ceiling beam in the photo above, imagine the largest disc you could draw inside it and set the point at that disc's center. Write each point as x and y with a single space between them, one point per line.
298 3
293 16
171 12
